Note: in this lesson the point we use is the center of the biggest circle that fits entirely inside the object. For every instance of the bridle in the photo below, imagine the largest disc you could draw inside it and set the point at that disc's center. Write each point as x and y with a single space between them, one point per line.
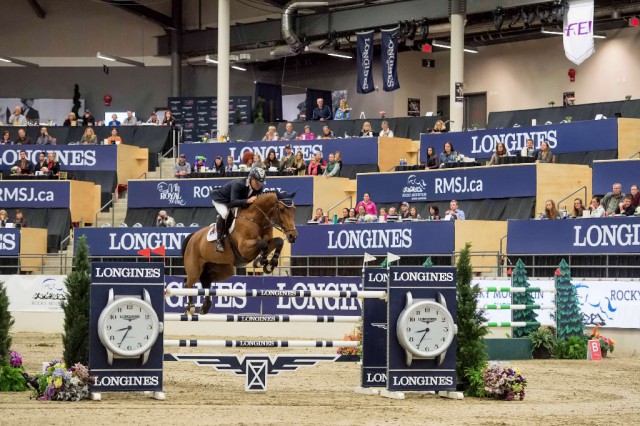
269 216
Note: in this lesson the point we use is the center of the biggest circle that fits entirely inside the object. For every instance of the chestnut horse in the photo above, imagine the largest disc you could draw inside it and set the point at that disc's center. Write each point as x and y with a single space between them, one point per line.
251 240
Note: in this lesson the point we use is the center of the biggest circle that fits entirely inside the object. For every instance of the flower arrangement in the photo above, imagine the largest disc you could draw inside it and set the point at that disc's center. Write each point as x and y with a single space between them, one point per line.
200 161
59 383
502 381
606 344
15 170
11 373
355 336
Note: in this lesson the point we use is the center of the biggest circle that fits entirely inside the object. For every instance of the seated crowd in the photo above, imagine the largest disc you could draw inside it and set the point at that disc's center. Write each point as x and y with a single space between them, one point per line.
46 165
614 203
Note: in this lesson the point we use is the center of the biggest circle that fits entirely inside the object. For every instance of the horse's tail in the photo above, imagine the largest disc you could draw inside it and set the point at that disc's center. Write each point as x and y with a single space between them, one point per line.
184 244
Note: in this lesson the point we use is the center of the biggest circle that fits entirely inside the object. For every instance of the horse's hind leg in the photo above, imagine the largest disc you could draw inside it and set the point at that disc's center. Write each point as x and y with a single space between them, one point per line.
205 280
214 273
193 270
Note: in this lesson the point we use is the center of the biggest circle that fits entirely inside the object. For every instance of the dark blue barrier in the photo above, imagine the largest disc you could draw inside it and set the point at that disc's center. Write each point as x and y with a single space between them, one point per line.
71 157
574 236
353 150
9 242
606 173
128 241
459 183
597 135
375 238
35 194
197 192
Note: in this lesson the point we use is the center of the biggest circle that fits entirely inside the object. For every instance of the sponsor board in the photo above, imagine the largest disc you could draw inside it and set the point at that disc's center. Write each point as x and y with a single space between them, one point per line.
72 158
35 194
128 241
9 242
35 293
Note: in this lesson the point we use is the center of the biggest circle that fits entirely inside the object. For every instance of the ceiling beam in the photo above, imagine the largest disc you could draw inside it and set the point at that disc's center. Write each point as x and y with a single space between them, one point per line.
37 9
146 12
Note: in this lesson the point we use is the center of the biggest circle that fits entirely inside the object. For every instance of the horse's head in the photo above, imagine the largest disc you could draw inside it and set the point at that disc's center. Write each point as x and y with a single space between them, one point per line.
285 215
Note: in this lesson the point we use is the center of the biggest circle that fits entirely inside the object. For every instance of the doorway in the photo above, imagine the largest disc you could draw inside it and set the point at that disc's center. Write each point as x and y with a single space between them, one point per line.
475 109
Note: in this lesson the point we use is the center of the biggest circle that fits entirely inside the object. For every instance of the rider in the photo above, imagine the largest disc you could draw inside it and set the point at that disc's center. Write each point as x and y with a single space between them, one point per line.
237 193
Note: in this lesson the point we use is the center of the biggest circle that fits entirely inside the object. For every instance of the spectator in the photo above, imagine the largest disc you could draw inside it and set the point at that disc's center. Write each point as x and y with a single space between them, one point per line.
89 137
636 196
71 120
230 167
434 212
612 200
327 133
289 134
362 213
596 208
319 217
247 161
17 118
393 215
353 215
366 131
130 120
164 220
182 169
169 119
88 119
100 123
544 155
333 168
439 127
322 112
41 163
44 138
529 150
53 167
114 139
319 159
286 162
26 166
114 120
218 166
315 169
20 221
626 208
308 134
550 211
257 160
578 208
343 111
413 214
449 155
433 162
271 135
299 166
271 163
4 218
153 119
404 210
454 212
23 139
386 132
382 218
6 138
338 158
345 215
370 206
501 151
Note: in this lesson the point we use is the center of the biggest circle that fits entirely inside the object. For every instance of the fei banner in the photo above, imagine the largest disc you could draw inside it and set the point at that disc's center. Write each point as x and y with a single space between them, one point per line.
375 238
389 46
578 31
578 136
128 241
35 194
365 62
9 242
471 183
606 173
354 150
72 158
197 192
575 236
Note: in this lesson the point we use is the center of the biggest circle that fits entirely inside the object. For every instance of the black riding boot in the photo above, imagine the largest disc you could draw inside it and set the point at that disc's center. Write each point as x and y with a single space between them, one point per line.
220 229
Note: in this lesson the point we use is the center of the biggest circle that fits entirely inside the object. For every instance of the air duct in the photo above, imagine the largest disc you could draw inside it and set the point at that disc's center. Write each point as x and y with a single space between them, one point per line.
289 36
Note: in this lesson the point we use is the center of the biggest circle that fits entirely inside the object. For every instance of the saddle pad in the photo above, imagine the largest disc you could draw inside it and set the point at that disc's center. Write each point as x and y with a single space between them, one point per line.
212 235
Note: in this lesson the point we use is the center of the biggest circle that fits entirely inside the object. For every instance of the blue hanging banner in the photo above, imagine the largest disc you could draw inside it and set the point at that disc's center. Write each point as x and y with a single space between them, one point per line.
365 62
390 60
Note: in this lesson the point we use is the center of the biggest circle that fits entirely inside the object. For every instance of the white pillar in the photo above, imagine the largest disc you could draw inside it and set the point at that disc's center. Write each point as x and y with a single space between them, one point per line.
456 109
224 29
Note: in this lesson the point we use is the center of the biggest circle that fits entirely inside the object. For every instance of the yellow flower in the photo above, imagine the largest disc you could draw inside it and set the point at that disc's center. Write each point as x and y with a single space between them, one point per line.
57 382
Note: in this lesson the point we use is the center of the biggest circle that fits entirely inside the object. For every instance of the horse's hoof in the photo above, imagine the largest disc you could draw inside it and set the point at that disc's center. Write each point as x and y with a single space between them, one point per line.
268 269
190 310
204 309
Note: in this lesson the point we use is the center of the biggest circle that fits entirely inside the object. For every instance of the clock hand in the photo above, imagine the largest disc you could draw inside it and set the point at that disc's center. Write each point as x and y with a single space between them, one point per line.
123 329
125 335
426 330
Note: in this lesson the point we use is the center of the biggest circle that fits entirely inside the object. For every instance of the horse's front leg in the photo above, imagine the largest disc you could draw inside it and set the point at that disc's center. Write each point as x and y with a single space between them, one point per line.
263 251
276 243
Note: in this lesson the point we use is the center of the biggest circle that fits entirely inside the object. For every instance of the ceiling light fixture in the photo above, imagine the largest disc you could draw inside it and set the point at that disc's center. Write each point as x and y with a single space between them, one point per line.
552 32
113 58
236 67
340 55
446 45
5 60
210 60
10 60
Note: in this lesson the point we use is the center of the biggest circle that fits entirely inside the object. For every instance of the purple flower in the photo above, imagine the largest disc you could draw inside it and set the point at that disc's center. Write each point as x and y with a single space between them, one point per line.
15 359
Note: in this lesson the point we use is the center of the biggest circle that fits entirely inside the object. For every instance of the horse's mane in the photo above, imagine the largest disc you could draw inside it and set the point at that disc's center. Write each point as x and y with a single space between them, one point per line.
266 197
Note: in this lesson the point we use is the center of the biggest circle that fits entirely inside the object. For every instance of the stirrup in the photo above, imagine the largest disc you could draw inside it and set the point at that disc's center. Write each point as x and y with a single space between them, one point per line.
219 246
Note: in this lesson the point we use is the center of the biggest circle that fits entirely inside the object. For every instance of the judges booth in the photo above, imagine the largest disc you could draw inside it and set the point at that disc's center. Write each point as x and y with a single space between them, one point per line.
22 249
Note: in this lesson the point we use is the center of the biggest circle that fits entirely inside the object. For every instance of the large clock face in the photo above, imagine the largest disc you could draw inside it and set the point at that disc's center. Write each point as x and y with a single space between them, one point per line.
128 327
425 329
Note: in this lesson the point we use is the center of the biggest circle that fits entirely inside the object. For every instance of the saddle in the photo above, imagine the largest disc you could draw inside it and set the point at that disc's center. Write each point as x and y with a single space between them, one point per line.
212 235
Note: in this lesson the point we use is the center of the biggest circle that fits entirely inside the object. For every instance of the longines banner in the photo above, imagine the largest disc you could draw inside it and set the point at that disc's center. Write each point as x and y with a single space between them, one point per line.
596 135
459 183
354 150
389 56
128 241
606 173
197 192
71 157
375 238
9 242
35 194
365 62
574 236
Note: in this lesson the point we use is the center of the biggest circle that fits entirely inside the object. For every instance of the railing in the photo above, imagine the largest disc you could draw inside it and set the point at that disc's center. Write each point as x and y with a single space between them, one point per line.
113 210
574 192
635 155
350 198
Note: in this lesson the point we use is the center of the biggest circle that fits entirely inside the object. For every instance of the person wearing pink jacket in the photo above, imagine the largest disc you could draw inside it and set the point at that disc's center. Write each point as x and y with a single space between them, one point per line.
369 206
